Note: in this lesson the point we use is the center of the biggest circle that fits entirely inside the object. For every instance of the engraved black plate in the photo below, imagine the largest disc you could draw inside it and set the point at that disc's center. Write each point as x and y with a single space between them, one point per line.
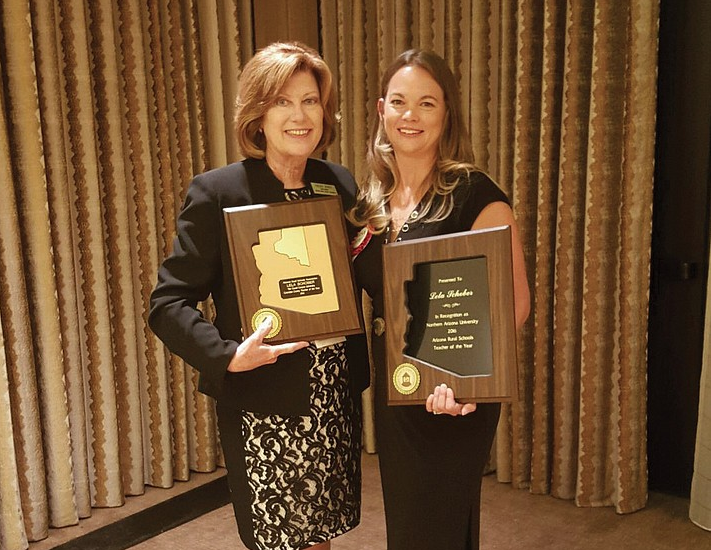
300 286
449 328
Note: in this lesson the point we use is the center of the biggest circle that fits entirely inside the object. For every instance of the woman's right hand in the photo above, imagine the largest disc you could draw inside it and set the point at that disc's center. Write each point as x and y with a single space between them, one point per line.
442 401
253 352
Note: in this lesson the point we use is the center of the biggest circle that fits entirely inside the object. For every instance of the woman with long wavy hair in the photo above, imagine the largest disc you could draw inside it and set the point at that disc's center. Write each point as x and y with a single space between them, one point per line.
423 182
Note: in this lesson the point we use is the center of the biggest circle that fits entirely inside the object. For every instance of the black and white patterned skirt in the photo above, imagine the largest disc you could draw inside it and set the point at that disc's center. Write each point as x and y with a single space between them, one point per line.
303 477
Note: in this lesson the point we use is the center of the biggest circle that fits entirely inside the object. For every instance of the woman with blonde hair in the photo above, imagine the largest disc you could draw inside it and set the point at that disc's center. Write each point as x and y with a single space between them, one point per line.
423 182
289 414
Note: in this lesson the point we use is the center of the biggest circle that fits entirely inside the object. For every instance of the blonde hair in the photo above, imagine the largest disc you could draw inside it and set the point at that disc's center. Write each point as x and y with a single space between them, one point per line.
261 81
455 155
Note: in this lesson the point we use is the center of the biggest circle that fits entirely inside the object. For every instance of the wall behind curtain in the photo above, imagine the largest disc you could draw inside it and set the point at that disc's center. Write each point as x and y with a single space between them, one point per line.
561 103
106 110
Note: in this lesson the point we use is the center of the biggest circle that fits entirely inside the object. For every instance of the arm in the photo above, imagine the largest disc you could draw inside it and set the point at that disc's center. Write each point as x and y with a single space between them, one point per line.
187 277
192 272
496 214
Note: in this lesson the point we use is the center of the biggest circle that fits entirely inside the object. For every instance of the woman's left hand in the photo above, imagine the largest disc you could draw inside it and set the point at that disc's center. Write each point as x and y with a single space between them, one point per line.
442 401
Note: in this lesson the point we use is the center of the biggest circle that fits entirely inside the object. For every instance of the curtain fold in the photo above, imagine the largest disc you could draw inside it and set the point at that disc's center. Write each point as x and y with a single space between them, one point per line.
50 90
22 491
635 258
23 258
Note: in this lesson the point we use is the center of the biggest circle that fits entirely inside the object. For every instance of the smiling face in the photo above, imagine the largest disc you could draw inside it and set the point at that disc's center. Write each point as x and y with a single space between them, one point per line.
294 123
413 113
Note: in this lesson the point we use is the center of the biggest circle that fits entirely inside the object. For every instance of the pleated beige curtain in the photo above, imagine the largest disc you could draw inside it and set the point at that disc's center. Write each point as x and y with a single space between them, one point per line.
107 108
561 101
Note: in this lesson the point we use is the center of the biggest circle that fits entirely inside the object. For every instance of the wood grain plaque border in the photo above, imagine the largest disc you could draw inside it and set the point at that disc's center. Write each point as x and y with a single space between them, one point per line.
244 224
399 261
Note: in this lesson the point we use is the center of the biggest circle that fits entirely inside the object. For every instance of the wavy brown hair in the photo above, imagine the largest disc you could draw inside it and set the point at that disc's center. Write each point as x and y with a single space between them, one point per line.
260 83
455 155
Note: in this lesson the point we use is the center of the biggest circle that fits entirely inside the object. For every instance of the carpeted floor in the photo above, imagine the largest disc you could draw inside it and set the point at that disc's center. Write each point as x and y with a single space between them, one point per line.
511 519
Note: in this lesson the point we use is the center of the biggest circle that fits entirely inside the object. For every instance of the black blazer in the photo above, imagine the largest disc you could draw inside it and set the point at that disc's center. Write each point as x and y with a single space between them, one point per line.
200 266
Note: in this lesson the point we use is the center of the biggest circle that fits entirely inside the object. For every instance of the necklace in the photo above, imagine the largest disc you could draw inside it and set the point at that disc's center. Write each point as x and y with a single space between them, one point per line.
399 225
403 207
403 215
396 222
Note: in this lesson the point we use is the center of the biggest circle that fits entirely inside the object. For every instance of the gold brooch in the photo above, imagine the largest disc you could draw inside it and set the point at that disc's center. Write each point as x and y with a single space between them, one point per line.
378 326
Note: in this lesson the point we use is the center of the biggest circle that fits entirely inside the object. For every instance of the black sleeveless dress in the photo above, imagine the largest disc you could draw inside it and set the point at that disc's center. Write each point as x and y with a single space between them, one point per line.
431 466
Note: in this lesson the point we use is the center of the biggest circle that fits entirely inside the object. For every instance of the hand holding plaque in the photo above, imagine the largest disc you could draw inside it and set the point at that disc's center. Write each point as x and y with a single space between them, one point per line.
291 264
450 317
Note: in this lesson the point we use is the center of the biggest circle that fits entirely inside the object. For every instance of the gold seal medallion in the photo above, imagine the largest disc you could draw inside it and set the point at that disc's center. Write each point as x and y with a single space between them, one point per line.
272 315
406 378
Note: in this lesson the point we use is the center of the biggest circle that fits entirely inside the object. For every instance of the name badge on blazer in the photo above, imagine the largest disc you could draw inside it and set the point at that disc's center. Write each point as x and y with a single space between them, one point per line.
324 188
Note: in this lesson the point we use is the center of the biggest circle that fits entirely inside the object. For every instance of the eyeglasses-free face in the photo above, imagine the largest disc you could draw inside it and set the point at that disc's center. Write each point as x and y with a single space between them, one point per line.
413 113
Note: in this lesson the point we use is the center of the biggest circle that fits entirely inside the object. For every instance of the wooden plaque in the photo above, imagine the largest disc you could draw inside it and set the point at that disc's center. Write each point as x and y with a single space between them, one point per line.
291 263
449 317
